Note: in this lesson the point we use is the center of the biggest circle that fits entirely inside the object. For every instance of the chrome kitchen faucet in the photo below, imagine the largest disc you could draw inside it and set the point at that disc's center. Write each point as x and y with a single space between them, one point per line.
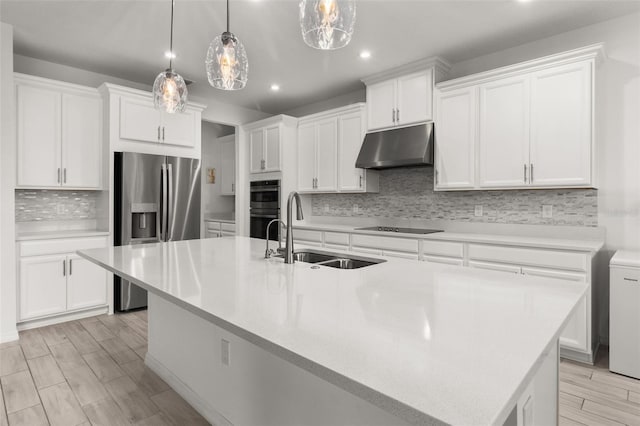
288 248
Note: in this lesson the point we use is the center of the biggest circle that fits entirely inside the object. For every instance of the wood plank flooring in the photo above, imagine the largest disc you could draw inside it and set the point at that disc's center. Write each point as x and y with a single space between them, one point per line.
91 372
87 372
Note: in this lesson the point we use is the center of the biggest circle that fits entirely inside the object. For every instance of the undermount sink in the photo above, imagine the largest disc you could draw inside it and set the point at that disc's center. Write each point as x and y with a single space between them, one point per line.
334 260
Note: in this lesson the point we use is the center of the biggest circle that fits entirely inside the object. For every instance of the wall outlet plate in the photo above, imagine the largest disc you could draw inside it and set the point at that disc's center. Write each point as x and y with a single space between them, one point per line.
477 211
547 211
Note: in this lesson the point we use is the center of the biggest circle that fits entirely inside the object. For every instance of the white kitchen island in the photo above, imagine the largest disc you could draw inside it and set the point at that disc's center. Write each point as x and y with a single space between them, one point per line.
401 342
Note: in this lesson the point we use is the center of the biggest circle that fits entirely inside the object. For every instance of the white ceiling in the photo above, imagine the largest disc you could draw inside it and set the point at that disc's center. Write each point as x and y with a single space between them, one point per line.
127 39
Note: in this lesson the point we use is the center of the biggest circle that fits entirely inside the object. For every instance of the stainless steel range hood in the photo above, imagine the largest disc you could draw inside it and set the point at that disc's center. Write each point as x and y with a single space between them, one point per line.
408 146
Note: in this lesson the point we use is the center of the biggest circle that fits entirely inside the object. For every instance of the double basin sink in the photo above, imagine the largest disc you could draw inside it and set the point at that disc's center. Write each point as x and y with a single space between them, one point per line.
334 260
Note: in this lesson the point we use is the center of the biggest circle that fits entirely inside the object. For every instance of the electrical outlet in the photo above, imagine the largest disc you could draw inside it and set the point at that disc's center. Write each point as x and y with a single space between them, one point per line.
60 208
547 211
356 209
326 208
225 352
478 211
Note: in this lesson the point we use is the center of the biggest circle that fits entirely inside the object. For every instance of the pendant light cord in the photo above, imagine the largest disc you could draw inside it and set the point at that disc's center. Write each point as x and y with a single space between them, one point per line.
227 15
171 38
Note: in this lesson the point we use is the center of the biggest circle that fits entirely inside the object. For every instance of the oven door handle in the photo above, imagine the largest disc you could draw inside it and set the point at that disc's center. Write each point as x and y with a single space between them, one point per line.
268 216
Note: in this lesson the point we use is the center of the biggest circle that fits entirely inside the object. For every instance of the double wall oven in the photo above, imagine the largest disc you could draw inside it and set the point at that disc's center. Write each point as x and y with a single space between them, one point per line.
264 206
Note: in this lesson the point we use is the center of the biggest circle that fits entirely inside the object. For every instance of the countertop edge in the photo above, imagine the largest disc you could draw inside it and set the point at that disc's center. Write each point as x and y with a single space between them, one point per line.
373 396
55 235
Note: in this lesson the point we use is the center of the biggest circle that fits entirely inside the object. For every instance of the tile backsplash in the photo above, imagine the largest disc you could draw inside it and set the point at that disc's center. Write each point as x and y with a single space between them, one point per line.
407 193
34 205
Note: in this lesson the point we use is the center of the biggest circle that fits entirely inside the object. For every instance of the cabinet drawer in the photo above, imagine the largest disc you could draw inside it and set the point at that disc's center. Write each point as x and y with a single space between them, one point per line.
525 256
228 227
61 245
443 260
338 238
443 248
495 267
213 226
385 243
307 235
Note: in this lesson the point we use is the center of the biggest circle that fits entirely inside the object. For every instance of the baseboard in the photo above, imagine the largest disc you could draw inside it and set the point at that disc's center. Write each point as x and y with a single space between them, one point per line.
201 406
64 317
573 355
9 337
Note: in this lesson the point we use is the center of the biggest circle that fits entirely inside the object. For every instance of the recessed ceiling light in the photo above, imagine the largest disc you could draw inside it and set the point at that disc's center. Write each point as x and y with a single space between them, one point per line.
169 55
275 87
365 54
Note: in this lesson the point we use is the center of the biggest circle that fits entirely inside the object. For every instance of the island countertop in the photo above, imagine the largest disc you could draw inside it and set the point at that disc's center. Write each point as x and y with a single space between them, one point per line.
430 343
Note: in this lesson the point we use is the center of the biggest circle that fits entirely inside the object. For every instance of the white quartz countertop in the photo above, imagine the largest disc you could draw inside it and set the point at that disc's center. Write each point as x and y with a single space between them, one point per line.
47 235
432 344
515 240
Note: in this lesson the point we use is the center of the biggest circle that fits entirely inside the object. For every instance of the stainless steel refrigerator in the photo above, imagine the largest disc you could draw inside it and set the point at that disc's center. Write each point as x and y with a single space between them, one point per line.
156 199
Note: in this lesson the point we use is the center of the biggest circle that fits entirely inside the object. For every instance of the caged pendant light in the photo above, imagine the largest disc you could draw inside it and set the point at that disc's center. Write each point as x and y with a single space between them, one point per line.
169 88
227 64
327 24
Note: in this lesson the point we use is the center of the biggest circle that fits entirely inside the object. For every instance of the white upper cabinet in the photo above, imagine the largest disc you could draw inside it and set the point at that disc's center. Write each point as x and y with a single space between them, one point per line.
503 142
561 123
228 165
59 133
381 105
455 139
264 147
328 146
534 127
141 121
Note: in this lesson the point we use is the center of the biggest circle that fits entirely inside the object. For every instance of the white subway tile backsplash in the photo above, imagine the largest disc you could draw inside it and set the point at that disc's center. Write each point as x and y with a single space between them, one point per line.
407 193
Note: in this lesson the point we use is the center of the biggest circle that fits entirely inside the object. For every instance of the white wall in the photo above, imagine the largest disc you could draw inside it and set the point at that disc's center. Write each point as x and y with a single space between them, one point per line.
7 184
212 200
331 103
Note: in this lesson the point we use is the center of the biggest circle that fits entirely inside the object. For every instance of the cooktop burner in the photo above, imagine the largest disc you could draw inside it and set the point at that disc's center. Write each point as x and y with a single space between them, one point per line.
396 229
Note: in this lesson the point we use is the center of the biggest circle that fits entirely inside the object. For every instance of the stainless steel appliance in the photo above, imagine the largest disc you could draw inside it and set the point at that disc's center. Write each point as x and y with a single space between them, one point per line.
264 206
407 146
397 229
156 198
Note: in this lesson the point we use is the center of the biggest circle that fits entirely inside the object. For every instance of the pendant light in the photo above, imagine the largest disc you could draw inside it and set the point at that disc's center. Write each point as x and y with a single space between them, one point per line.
169 88
327 24
227 64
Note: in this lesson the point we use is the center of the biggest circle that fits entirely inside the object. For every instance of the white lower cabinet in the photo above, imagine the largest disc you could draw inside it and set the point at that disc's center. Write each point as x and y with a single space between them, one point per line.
219 229
53 280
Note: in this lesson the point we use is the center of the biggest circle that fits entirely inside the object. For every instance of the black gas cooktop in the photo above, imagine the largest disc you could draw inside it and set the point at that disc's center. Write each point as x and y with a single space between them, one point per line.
401 230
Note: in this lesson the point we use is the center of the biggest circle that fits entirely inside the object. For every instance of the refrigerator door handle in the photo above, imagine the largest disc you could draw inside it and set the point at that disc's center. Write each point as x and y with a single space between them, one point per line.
163 192
170 205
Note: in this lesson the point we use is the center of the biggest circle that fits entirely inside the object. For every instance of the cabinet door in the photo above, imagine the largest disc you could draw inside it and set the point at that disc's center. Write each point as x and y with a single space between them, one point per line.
179 128
306 157
43 286
495 266
561 124
39 137
349 142
139 120
575 334
86 283
256 151
327 155
504 133
414 98
455 135
381 102
228 166
272 149
81 141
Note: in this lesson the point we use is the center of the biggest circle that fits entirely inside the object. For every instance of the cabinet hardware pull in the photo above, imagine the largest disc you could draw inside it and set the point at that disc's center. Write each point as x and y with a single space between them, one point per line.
397 116
531 174
58 174
525 173
393 115
162 132
64 174
64 268
233 189
70 266
360 181
631 279
436 176
158 132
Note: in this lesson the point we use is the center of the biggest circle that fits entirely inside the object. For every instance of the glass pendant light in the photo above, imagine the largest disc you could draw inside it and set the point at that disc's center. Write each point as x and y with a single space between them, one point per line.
327 24
227 64
169 88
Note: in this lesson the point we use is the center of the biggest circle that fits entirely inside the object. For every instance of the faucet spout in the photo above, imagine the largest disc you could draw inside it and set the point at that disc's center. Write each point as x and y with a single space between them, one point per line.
288 248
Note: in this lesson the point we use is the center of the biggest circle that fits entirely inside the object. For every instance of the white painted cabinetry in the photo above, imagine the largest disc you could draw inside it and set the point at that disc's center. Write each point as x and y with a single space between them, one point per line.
59 132
54 281
328 146
264 149
529 126
215 229
228 165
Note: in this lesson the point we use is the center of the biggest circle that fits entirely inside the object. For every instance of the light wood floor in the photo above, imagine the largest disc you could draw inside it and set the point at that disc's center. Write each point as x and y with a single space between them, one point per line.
86 372
91 371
